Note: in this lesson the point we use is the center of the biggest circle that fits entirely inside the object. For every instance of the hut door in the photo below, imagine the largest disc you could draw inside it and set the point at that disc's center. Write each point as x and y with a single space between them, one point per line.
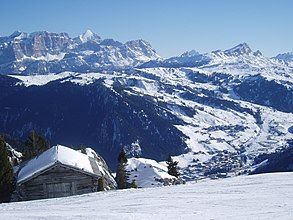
60 189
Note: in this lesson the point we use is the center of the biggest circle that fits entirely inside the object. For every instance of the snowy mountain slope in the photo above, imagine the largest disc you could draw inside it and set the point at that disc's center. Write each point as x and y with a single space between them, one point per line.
43 52
212 121
94 115
266 196
286 57
238 61
278 161
148 173
217 121
214 112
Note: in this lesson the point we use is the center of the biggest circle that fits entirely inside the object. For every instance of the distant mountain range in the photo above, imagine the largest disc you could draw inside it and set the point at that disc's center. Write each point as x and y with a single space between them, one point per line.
214 112
44 52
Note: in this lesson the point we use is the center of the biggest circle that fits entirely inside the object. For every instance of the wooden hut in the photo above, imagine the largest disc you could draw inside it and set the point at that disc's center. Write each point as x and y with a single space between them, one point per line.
59 171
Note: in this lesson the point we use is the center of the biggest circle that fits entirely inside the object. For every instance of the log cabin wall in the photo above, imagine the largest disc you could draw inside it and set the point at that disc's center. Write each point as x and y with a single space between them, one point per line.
58 181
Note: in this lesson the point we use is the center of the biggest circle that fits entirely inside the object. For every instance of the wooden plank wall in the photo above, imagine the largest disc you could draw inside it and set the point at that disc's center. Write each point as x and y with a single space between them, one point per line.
40 187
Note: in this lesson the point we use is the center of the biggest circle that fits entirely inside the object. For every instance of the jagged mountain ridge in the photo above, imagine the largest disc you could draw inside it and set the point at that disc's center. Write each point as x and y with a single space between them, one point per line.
240 54
285 56
43 52
216 112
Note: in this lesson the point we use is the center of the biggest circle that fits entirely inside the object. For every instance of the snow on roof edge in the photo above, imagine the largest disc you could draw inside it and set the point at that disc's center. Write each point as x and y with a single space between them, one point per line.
56 154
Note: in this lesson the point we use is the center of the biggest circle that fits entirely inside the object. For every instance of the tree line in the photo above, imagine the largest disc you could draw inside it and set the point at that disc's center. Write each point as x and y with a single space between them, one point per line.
34 145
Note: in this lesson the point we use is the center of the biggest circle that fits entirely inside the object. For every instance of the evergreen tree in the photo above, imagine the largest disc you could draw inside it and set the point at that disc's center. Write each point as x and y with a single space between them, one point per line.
172 167
101 184
6 173
82 150
35 145
133 184
121 173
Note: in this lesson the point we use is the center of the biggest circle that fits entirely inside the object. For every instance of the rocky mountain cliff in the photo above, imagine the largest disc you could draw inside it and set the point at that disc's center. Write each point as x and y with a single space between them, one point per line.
44 52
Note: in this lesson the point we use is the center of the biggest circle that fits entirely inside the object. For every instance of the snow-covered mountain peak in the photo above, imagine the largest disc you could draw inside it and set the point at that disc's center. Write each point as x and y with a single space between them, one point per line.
89 35
190 53
111 42
37 36
27 54
240 49
142 49
288 57
39 33
138 42
239 60
18 35
257 53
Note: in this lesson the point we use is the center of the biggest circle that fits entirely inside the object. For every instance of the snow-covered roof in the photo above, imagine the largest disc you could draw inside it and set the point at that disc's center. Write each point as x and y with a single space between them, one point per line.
62 155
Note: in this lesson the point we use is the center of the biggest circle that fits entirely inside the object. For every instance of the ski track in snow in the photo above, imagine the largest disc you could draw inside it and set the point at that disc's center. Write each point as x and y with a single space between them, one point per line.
265 196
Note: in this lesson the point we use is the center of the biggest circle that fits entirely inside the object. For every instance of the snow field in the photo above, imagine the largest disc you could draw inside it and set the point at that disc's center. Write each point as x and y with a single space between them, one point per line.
266 196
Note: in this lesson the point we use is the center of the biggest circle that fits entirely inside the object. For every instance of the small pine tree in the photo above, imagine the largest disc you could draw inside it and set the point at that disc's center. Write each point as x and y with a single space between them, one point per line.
121 174
6 173
82 150
101 184
172 167
133 184
34 145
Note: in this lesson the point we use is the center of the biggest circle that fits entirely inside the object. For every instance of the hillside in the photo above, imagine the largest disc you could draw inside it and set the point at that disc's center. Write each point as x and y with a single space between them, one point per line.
265 196
214 112
149 173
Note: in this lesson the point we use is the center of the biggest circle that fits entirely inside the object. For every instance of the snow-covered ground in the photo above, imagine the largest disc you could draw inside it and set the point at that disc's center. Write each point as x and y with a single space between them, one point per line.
266 196
148 173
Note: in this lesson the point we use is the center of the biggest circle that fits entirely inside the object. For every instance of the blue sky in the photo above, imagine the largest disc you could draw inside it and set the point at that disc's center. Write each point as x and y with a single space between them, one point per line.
172 27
